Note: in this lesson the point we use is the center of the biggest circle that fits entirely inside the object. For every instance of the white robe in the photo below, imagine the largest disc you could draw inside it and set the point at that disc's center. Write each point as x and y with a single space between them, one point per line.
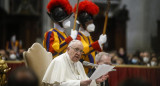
64 72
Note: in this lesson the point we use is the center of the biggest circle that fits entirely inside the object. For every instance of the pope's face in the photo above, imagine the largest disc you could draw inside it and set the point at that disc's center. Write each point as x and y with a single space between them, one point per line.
75 51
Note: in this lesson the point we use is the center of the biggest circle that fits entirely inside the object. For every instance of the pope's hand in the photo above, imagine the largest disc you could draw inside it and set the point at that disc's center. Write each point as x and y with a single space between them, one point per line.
74 34
102 78
85 82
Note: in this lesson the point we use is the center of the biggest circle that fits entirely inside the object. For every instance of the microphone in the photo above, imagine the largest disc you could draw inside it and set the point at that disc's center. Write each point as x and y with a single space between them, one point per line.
86 63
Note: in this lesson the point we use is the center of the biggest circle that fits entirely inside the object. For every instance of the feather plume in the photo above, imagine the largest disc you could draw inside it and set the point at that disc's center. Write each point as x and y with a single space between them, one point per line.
88 7
62 3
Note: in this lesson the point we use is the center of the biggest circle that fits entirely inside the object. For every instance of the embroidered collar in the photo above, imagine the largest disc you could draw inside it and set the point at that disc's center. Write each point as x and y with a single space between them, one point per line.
73 67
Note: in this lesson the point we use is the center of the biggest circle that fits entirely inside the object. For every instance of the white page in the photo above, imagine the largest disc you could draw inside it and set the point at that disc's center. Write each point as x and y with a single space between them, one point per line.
101 70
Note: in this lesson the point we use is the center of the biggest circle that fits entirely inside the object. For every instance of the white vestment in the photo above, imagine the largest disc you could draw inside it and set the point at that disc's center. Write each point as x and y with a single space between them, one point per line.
62 71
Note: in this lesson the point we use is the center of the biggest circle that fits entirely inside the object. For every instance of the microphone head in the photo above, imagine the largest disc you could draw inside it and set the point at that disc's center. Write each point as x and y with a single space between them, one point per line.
85 63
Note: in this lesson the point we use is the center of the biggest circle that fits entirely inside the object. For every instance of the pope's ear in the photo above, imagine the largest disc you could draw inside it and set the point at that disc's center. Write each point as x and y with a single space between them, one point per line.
68 48
97 62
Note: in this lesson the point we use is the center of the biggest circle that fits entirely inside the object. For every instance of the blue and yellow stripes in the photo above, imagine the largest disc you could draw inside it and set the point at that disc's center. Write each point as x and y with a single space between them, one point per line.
56 41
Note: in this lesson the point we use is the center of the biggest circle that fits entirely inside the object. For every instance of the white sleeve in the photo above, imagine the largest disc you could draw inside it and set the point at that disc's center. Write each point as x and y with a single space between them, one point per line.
71 83
93 83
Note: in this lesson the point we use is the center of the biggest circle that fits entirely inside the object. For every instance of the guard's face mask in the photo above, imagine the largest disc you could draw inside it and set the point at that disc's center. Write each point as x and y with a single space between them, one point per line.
91 27
66 23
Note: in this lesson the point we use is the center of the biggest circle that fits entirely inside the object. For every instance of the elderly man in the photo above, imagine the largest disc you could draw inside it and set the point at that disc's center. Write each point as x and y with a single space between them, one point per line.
66 70
102 58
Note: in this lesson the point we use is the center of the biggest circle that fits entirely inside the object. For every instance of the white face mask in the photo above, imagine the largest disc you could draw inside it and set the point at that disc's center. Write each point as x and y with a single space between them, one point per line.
134 60
145 59
3 58
153 63
66 23
12 56
91 27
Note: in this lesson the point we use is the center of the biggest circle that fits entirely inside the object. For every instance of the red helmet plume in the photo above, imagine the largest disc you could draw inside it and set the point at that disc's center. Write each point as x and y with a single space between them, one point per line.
62 3
88 7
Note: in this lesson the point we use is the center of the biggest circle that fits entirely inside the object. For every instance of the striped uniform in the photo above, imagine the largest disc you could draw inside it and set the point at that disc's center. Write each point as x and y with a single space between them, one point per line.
90 48
13 45
56 41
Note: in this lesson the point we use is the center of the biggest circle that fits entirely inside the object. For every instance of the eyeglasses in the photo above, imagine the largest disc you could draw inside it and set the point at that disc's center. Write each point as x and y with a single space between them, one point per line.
77 50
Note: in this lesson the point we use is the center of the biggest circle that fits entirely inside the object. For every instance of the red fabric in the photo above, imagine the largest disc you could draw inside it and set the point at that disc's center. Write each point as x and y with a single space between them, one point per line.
68 39
51 40
14 66
46 35
78 37
63 3
87 6
151 75
96 46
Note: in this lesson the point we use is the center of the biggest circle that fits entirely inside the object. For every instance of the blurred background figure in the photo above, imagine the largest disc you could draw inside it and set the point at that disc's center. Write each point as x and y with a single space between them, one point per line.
153 54
146 58
20 54
12 55
14 44
135 60
115 59
122 54
22 76
4 54
141 55
14 49
154 61
119 61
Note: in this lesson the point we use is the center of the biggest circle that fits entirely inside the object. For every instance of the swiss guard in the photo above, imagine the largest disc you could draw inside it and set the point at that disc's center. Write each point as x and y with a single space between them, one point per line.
86 12
14 44
55 40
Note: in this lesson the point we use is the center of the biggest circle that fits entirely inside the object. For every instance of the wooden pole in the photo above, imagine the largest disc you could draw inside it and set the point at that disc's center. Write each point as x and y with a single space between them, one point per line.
106 17
74 26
